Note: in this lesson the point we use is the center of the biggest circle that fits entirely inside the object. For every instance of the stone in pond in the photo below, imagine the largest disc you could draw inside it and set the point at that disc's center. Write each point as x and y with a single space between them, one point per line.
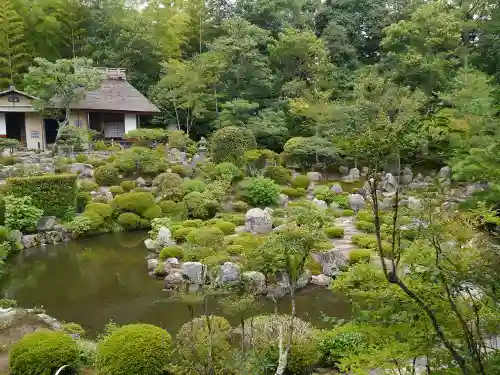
258 221
164 237
153 264
46 223
174 280
321 280
30 240
256 279
151 244
196 272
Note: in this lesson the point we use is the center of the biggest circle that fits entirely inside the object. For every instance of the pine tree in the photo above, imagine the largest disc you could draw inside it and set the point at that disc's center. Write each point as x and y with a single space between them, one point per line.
14 59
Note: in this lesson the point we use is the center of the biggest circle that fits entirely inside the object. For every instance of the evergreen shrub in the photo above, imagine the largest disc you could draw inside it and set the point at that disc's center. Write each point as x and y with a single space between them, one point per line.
279 174
137 202
107 175
301 181
230 143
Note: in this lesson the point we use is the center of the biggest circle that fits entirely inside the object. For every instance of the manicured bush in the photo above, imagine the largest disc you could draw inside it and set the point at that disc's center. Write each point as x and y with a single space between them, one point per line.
188 186
279 174
179 169
240 206
107 175
357 256
127 185
198 206
88 185
346 212
195 223
341 200
168 206
226 171
171 252
340 343
54 194
260 191
235 218
134 349
73 328
225 226
365 226
81 158
334 232
153 212
180 234
169 185
129 221
365 215
21 214
206 237
102 209
369 241
216 259
234 249
301 181
42 353
294 192
115 190
82 224
230 143
137 202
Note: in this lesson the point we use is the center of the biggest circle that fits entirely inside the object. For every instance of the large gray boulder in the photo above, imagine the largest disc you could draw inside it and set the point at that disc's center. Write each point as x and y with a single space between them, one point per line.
164 237
283 200
304 279
414 203
258 221
30 240
255 279
321 280
354 175
322 205
229 273
46 223
196 272
389 184
174 280
151 244
332 262
444 173
356 201
153 264
314 176
406 176
343 170
336 188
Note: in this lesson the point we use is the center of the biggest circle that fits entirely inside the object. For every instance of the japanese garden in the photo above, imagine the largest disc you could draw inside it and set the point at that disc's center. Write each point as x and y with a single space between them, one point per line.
249 187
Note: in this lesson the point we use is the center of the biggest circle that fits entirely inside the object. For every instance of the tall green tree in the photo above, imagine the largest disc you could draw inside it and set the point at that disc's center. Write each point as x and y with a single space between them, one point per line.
14 56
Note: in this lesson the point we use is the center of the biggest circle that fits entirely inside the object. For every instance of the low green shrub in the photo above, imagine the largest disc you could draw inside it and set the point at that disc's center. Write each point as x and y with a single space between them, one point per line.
229 144
347 212
153 212
81 158
127 185
7 303
171 252
340 343
8 160
129 221
234 249
341 200
180 234
357 256
42 353
88 185
225 226
240 206
136 202
195 223
116 189
313 265
301 181
334 232
169 185
279 174
107 175
54 194
365 226
102 209
369 241
216 259
188 186
134 349
235 218
206 237
365 215
73 328
294 192
179 169
226 171
259 191
168 207
21 214
199 207
82 224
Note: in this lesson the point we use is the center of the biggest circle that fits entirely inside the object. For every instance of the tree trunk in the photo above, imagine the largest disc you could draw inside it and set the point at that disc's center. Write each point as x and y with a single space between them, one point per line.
283 353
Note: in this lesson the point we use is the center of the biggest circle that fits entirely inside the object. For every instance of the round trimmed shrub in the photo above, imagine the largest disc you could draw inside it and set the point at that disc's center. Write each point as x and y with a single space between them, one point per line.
42 353
134 349
171 252
127 185
169 185
115 190
240 206
225 226
226 171
135 201
180 234
188 186
216 259
279 174
334 232
365 226
179 169
4 233
73 328
206 237
129 221
357 256
198 206
153 212
230 143
294 192
88 185
107 175
340 343
102 209
195 223
301 181
260 191
167 206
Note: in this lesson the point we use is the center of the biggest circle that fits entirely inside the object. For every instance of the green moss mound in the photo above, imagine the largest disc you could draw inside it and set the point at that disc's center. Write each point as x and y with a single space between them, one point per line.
42 353
136 202
134 349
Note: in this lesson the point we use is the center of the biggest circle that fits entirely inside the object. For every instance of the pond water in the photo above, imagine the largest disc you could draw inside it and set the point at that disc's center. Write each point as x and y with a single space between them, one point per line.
95 280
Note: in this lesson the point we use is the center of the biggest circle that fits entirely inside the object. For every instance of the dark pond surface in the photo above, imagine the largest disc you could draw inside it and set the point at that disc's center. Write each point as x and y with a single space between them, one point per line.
95 280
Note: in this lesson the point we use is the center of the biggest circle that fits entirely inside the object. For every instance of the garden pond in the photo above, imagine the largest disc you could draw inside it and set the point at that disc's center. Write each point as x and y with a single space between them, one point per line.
98 279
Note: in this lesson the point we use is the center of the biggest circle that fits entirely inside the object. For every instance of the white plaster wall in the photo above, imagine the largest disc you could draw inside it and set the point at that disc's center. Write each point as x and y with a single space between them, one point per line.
34 128
3 124
130 122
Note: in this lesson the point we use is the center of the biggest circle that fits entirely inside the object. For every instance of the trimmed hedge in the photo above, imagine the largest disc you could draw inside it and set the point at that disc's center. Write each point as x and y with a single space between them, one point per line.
56 195
42 353
137 202
134 349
